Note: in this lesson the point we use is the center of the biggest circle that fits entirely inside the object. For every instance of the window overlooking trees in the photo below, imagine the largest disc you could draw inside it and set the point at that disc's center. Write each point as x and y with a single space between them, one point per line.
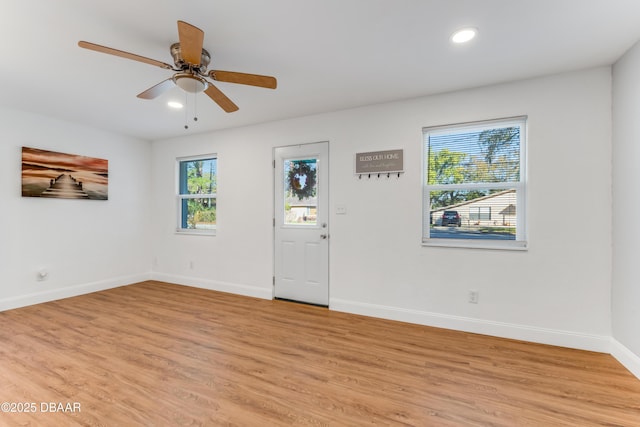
473 189
197 187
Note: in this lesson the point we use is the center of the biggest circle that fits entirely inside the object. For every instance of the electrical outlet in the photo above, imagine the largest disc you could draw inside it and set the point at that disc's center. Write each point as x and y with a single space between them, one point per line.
473 296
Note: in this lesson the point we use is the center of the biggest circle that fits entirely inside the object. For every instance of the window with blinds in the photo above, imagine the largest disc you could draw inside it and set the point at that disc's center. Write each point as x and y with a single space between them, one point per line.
474 187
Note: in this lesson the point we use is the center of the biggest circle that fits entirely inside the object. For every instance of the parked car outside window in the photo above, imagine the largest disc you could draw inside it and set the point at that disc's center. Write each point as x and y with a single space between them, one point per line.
450 218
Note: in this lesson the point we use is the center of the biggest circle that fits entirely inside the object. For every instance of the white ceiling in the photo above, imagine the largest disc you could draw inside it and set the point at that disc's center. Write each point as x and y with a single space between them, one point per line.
326 54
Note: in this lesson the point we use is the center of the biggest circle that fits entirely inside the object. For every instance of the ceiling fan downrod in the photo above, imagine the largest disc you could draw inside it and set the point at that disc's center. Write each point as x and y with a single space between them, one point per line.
182 65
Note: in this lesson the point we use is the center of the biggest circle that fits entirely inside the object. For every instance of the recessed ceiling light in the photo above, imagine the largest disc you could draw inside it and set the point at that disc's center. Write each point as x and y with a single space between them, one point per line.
174 104
464 35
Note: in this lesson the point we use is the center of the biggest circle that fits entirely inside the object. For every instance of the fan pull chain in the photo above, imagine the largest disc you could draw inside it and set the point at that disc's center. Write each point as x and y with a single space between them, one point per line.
195 107
186 110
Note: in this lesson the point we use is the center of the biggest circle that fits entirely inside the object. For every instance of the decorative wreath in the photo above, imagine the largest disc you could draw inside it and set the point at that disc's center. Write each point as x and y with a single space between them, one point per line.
302 180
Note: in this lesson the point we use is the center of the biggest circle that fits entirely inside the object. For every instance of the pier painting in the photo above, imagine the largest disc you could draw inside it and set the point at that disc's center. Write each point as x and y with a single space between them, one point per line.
63 176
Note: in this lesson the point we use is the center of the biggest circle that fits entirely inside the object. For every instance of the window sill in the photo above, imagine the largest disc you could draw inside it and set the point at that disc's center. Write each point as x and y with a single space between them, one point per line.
511 245
196 232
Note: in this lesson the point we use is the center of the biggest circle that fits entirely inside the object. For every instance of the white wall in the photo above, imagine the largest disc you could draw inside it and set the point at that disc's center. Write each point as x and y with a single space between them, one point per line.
558 292
238 259
85 245
626 206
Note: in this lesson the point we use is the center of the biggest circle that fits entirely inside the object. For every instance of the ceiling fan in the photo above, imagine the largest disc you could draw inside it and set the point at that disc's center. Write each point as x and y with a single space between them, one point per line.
191 61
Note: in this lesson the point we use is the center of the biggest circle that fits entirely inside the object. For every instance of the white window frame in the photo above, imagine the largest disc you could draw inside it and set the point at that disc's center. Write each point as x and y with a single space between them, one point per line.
181 197
520 242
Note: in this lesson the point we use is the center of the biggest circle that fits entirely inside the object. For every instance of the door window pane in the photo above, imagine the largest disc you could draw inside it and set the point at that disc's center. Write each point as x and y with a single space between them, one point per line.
300 192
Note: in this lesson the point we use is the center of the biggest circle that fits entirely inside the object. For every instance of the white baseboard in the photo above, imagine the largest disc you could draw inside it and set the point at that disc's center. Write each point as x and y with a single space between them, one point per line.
69 291
629 359
560 338
214 285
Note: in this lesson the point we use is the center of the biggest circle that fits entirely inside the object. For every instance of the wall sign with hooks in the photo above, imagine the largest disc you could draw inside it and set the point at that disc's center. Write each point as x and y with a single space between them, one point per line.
379 163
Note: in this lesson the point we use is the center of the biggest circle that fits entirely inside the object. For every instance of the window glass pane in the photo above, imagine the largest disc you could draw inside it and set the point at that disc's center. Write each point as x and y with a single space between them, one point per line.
199 213
198 176
474 185
197 187
473 214
300 192
474 155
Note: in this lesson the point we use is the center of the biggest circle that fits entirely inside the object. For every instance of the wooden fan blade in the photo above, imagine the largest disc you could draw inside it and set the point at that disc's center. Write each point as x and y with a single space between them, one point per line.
221 99
157 90
123 54
244 79
191 40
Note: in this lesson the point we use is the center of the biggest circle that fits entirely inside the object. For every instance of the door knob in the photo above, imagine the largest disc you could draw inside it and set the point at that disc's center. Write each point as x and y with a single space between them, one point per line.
324 236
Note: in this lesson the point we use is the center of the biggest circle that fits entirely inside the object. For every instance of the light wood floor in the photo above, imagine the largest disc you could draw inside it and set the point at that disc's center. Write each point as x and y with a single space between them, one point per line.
155 354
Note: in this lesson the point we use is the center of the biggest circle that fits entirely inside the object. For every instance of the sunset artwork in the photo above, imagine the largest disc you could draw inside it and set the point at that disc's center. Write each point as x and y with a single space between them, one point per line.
63 176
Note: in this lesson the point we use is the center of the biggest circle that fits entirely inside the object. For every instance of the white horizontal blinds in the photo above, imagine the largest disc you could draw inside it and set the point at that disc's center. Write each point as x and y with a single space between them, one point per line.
474 155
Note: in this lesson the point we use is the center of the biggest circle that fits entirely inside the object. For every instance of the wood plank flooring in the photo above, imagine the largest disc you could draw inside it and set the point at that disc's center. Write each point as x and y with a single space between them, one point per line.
156 354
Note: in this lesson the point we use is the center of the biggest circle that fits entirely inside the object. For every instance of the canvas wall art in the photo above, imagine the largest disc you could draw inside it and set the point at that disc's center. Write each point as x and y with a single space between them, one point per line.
63 176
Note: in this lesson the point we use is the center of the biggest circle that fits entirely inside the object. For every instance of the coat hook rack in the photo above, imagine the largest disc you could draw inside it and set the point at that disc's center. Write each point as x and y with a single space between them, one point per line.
379 163
379 175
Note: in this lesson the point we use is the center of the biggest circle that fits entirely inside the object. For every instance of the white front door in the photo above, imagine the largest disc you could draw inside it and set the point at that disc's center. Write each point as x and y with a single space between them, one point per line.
301 223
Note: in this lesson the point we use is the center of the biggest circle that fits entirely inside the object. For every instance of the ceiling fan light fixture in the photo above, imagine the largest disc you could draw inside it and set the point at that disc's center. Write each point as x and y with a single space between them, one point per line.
464 35
175 104
191 61
190 82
